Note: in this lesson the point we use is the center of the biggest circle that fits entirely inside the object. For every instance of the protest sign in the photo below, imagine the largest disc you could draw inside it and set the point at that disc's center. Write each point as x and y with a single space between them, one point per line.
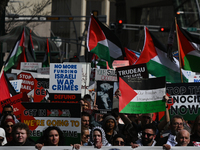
120 63
194 78
104 97
30 66
40 87
27 83
15 102
65 78
64 98
185 99
44 70
141 95
11 76
16 84
134 71
65 116
86 69
105 75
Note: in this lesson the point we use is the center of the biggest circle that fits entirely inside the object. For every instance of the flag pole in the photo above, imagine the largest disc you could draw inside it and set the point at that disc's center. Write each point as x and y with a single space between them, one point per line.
179 54
2 70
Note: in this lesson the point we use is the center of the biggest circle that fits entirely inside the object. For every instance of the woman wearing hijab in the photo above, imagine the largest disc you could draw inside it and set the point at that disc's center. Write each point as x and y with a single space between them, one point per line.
3 140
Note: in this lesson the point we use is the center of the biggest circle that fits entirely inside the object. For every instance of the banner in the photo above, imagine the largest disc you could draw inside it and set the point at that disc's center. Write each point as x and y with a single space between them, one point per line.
134 71
65 78
104 98
64 98
30 66
141 95
105 75
15 102
185 99
40 87
65 116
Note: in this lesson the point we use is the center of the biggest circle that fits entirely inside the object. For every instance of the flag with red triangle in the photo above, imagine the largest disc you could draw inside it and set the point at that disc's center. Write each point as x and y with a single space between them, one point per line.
17 54
146 95
103 42
154 54
189 46
6 89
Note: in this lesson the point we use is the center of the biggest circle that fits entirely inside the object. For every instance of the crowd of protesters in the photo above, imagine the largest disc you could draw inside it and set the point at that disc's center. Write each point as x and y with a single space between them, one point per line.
110 129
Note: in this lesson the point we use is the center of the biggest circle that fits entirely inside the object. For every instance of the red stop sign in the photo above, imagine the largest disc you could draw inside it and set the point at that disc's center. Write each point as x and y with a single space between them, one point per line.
27 83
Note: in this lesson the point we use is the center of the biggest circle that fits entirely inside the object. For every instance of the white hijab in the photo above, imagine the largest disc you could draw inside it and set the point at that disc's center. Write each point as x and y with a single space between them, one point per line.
3 134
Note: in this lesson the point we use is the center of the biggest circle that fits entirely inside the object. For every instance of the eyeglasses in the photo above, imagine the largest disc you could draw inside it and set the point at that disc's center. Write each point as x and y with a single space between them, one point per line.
177 124
87 136
148 134
119 142
7 112
7 126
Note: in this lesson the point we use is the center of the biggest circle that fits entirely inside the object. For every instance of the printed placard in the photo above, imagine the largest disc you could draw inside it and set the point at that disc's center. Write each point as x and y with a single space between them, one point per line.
146 95
65 77
64 98
65 116
30 66
105 75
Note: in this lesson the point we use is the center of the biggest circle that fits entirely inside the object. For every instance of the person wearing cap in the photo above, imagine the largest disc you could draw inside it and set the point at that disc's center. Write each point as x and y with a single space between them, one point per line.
8 124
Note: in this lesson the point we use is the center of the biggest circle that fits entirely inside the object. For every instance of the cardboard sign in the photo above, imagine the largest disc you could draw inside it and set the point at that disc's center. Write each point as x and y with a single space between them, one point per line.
16 85
134 71
185 99
30 66
141 95
15 102
65 116
40 87
44 70
27 83
65 78
104 98
65 98
105 75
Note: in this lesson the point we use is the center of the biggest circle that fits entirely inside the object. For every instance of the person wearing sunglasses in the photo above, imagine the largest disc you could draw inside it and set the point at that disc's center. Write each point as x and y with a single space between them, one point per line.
8 125
85 136
118 140
3 140
148 137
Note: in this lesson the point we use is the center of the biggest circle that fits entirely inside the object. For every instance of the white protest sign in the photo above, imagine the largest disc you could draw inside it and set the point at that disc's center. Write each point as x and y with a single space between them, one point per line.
105 75
86 69
30 66
16 84
44 70
65 78
194 78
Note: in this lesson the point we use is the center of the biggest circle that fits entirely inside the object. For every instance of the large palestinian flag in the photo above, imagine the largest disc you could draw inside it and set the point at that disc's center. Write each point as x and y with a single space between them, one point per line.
103 42
154 54
146 95
189 50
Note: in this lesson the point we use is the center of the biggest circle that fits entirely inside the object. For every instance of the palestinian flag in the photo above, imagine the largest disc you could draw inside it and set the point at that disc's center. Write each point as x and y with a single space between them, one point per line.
103 42
189 50
31 47
17 54
146 95
154 54
131 56
6 89
46 61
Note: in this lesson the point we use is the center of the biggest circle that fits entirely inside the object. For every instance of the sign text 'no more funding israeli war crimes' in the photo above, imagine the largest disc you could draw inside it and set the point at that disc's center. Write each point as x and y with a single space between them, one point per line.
65 75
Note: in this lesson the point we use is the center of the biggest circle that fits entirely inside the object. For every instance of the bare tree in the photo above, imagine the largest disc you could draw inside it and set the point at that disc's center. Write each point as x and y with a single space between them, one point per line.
34 10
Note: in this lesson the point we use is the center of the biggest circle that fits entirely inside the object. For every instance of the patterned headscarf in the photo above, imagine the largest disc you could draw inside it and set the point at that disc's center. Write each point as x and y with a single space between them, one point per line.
103 136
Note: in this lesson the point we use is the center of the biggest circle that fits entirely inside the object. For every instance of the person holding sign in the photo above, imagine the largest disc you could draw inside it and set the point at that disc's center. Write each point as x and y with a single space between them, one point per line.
20 136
